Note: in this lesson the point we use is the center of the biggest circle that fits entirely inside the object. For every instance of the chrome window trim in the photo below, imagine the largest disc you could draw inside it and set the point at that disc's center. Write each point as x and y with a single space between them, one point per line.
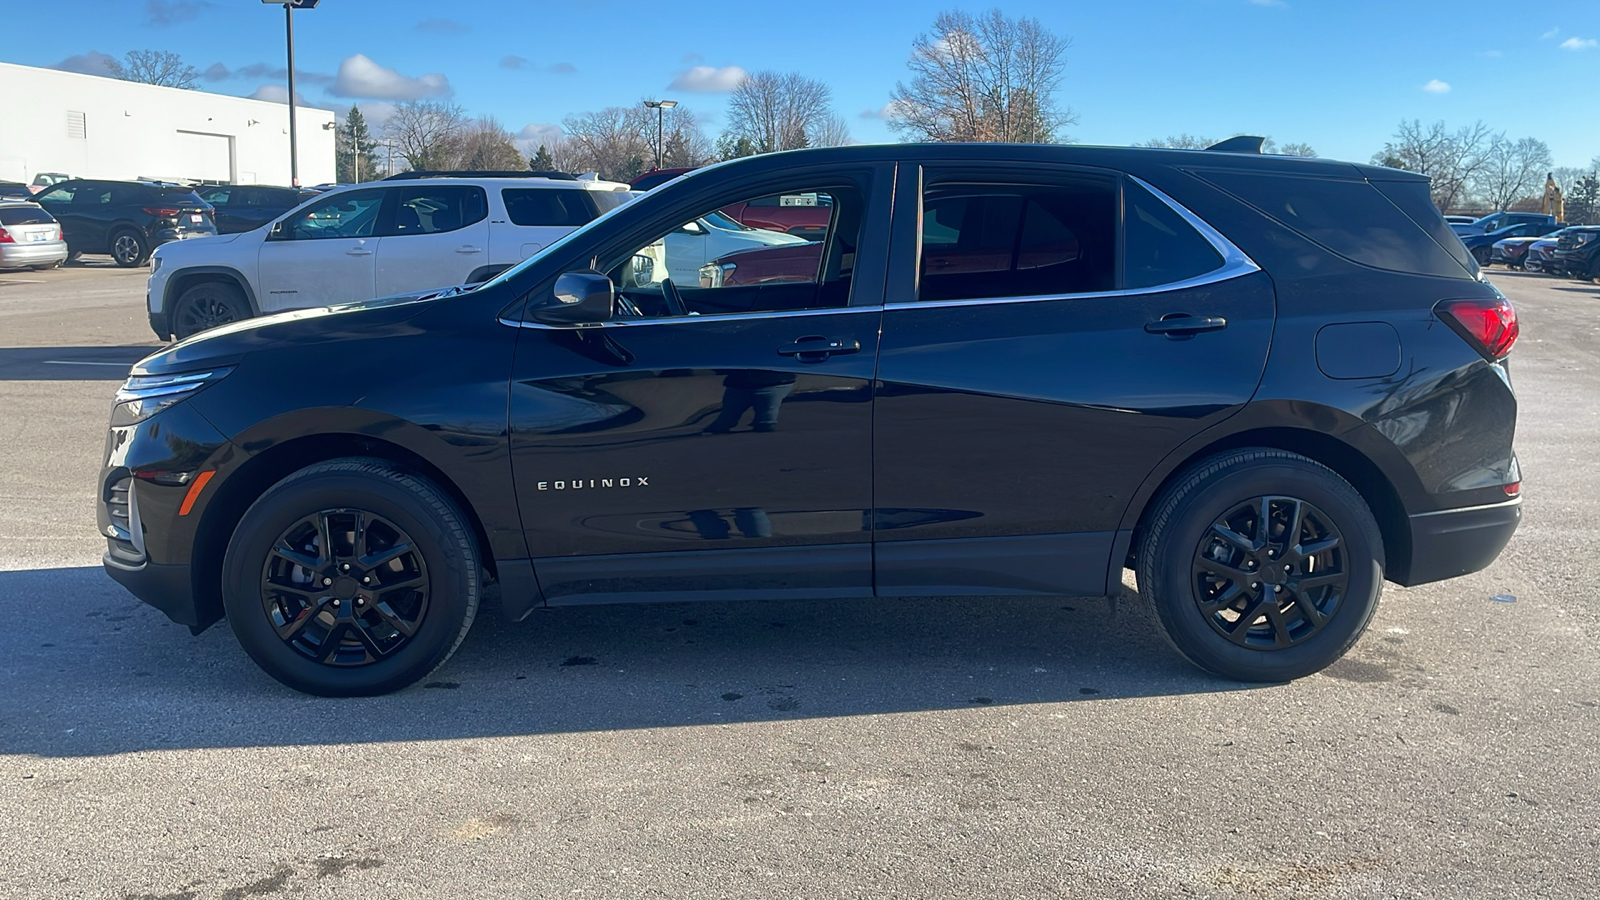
715 317
1235 264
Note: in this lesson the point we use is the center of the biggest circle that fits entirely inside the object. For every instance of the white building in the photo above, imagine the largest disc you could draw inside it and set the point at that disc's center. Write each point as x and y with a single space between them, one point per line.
87 126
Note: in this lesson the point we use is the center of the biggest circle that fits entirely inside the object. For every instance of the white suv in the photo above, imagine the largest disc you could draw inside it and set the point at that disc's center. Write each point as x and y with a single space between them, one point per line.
400 235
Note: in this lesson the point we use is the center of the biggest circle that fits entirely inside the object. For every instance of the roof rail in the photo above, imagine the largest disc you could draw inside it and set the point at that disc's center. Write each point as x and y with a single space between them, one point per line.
524 173
1244 143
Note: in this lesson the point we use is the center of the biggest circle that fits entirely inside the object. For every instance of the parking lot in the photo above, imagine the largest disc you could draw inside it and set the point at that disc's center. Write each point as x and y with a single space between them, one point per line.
983 747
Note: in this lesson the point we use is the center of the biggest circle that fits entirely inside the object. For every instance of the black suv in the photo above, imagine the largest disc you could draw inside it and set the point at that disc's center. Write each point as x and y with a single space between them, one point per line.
1577 253
246 207
126 219
1265 384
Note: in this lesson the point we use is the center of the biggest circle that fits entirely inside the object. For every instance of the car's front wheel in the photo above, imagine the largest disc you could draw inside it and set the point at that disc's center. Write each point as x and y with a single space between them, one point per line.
351 578
207 306
1262 565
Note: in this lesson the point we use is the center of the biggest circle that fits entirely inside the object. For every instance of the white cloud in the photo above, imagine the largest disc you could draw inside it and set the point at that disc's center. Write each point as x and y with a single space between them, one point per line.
173 12
92 63
1268 3
564 68
1437 87
359 76
1549 34
708 79
515 62
277 93
539 133
1493 54
882 112
1577 43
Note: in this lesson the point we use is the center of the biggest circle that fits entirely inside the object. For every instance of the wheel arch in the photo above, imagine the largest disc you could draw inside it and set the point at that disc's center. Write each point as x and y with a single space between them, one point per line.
1352 464
255 475
190 276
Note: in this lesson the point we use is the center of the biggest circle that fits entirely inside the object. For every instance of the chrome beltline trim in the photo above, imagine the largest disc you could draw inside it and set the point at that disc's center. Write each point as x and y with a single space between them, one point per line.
1461 509
688 320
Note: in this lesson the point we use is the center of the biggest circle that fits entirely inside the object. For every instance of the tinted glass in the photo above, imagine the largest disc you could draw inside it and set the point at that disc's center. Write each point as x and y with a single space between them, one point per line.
24 215
222 196
56 195
1414 199
646 182
343 216
181 196
1350 218
548 206
1159 246
432 209
987 240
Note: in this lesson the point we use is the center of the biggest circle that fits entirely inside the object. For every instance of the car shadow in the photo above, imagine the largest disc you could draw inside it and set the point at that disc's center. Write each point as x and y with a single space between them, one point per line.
91 671
71 363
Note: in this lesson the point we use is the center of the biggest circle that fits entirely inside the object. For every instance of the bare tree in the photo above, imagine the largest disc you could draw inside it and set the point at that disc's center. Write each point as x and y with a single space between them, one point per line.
611 141
426 133
684 142
1192 142
1452 159
485 145
778 111
983 78
1512 169
1305 150
159 67
832 131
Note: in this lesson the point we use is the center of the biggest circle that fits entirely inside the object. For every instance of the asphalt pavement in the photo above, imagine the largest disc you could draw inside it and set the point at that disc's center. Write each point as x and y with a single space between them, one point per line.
972 747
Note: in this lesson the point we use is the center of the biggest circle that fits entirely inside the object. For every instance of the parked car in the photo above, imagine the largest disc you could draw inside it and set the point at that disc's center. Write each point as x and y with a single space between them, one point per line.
1267 385
14 190
1541 253
1460 220
246 207
369 240
1578 253
125 219
657 177
29 237
1510 252
803 215
1481 246
1499 220
43 180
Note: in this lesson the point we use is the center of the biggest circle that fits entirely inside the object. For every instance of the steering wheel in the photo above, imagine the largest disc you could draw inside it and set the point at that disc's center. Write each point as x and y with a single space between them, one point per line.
673 299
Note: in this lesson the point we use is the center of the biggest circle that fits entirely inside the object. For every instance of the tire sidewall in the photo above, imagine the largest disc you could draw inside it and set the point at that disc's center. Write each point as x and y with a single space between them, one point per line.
1191 518
143 253
451 566
228 294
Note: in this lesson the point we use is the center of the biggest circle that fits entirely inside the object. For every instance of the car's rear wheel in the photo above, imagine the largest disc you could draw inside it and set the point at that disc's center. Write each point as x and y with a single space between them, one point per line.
351 578
1262 565
207 306
128 248
1481 254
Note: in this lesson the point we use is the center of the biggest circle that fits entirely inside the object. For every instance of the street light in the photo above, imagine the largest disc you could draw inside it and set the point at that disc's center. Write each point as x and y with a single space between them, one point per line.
288 26
660 106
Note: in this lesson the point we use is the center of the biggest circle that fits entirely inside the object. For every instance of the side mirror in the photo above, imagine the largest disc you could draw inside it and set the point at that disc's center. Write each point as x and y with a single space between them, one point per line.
691 228
276 234
580 298
644 270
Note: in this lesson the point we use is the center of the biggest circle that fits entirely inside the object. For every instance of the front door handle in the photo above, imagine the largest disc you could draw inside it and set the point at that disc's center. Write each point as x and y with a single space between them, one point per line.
468 248
1183 325
817 348
358 251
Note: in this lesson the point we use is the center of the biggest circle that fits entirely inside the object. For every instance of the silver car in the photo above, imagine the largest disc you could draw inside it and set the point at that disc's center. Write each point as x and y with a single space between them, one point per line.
30 237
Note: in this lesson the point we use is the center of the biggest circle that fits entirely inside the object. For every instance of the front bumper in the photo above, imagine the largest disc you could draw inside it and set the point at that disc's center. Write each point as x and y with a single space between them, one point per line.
1453 542
166 587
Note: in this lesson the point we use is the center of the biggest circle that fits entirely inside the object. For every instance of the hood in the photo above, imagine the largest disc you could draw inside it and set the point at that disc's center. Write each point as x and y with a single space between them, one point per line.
227 344
764 238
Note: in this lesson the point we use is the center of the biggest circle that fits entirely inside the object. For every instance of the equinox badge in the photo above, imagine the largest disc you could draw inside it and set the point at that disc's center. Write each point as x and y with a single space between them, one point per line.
580 484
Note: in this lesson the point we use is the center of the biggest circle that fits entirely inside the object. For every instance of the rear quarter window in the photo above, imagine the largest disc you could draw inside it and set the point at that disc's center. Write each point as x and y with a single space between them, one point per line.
548 206
1159 246
1351 218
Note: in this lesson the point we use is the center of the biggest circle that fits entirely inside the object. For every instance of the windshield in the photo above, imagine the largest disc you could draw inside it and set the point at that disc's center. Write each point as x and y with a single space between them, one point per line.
551 248
718 220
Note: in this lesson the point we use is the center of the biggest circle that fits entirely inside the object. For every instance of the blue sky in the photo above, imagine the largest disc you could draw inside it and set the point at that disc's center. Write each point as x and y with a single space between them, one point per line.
1336 75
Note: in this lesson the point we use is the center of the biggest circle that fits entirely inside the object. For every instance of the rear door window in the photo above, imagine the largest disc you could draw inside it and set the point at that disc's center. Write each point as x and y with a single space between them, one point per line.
983 240
432 209
1159 246
548 206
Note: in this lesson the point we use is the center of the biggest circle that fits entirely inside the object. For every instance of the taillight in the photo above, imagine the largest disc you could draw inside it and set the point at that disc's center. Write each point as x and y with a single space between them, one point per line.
5 236
162 211
1491 324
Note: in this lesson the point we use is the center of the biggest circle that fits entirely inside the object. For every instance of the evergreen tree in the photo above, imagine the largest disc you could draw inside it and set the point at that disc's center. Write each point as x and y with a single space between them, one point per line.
541 161
351 165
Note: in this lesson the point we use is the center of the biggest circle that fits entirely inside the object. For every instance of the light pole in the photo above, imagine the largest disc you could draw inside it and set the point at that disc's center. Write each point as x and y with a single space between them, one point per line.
660 106
288 28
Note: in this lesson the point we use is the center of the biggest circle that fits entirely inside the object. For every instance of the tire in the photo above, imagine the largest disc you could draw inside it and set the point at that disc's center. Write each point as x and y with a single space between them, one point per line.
207 306
74 255
365 658
1179 551
128 248
1481 255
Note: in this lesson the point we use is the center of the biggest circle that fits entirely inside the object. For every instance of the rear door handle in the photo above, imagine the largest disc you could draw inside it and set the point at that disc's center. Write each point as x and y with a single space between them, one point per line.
817 348
1182 325
468 248
358 251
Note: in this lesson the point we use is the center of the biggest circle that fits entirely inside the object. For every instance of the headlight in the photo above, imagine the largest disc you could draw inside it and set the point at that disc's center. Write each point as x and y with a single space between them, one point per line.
155 264
716 274
142 396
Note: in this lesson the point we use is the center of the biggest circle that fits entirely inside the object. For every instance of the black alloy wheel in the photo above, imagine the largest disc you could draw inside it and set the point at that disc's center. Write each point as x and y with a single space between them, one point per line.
205 306
1270 572
1261 564
351 577
127 249
345 587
